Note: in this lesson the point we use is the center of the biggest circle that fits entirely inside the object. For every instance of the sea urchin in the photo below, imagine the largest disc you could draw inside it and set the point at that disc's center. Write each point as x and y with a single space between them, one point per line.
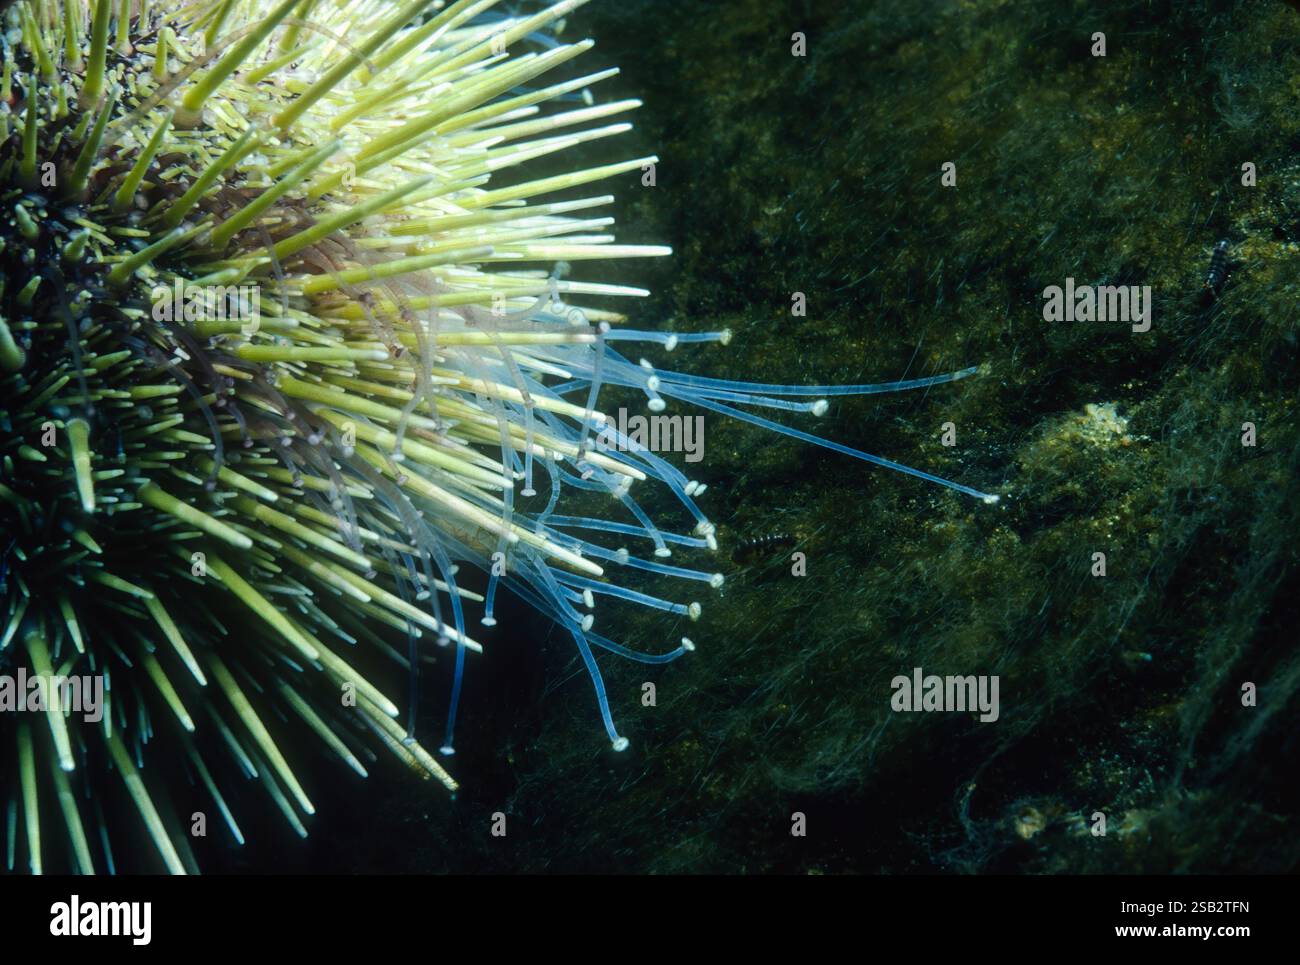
275 357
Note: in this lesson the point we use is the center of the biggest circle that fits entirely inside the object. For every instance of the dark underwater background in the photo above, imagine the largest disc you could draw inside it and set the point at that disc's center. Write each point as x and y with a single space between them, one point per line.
1119 695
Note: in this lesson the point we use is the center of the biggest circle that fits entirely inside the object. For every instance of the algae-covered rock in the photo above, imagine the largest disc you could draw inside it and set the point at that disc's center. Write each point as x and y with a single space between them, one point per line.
1122 693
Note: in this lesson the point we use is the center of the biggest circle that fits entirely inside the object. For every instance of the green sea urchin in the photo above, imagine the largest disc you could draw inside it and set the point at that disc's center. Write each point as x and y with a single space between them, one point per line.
275 356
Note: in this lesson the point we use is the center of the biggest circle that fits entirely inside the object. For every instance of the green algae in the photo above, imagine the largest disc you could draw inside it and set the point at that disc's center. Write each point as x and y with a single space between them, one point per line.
1120 694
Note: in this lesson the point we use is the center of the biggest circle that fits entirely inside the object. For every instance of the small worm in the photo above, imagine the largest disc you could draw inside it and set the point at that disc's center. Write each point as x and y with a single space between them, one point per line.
1218 272
751 548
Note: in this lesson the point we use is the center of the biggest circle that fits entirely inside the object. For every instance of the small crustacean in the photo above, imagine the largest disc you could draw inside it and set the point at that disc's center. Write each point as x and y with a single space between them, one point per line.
751 549
1218 271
